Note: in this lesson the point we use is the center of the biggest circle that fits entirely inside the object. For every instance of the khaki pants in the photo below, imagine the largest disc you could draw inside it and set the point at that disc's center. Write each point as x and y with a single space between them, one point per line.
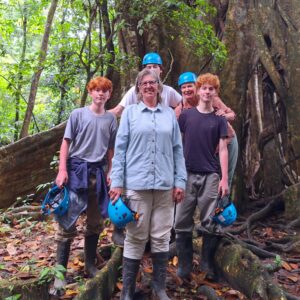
156 217
94 224
201 191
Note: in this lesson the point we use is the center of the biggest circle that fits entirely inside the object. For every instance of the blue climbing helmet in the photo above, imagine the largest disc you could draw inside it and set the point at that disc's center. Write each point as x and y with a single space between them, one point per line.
187 77
152 58
225 213
120 214
56 201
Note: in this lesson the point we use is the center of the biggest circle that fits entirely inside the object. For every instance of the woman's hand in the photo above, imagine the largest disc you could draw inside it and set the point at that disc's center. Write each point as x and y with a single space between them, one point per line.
221 112
178 195
229 115
115 193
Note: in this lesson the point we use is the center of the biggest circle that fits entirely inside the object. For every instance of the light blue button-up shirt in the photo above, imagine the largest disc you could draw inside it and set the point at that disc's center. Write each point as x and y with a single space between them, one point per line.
148 150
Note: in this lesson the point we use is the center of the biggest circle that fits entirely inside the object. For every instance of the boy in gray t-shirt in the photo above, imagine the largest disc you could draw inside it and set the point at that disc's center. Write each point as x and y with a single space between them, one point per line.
86 147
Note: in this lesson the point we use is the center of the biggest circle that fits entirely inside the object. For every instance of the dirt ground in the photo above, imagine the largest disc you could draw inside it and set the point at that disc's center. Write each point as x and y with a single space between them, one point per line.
28 247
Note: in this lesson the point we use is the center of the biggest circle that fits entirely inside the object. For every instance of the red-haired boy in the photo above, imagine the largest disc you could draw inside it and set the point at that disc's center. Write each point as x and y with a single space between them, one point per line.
203 131
86 147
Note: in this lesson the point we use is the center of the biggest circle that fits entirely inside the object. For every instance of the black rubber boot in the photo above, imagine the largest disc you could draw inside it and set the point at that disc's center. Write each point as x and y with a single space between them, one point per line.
90 248
209 245
118 236
130 270
62 257
184 247
160 263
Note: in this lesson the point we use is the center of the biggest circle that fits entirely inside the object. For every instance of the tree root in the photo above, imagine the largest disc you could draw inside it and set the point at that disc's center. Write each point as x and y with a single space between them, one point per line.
257 249
290 296
28 211
284 248
257 216
243 271
294 224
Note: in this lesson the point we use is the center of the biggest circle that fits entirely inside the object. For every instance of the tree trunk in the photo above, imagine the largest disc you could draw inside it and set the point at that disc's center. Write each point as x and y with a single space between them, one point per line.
20 75
26 163
39 69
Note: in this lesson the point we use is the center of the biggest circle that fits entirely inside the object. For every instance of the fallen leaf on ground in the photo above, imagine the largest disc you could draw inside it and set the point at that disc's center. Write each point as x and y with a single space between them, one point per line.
11 249
294 266
175 261
119 285
286 266
293 278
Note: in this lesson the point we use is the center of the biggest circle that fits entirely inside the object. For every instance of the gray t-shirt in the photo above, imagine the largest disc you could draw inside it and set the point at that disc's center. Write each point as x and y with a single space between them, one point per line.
91 135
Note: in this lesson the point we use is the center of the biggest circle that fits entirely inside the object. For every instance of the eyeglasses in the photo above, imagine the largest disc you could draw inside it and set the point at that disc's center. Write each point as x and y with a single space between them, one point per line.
150 82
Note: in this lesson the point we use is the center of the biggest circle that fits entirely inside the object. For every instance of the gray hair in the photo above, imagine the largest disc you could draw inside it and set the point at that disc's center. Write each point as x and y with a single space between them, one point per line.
139 79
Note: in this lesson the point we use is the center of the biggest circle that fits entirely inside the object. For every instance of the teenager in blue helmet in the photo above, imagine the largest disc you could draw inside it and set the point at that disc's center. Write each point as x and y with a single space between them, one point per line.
170 97
86 147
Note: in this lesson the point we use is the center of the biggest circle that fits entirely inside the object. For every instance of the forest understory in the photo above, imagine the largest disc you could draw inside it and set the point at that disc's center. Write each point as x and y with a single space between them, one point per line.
28 249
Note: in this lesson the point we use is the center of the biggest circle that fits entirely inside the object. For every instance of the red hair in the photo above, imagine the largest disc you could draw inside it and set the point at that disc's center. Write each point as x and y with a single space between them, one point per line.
208 78
100 83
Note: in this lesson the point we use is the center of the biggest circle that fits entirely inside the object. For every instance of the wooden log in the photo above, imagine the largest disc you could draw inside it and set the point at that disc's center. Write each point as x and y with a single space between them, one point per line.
26 163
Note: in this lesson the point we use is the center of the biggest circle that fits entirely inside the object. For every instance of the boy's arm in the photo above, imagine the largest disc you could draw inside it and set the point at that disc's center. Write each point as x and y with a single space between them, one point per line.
110 154
223 154
117 111
62 176
129 98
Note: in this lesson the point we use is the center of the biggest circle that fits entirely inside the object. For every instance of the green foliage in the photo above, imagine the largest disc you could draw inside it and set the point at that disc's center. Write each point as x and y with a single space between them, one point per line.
278 261
14 297
77 50
188 19
48 273
275 265
26 199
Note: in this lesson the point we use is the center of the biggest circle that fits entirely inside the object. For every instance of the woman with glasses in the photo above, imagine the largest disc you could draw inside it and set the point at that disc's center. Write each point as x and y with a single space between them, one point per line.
148 166
170 97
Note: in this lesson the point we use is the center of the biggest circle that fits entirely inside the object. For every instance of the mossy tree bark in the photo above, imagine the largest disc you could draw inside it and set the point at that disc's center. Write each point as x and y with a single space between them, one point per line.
26 163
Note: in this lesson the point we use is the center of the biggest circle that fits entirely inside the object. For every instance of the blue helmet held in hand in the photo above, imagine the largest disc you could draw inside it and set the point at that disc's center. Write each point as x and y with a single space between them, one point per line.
187 77
56 201
152 58
225 212
120 214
